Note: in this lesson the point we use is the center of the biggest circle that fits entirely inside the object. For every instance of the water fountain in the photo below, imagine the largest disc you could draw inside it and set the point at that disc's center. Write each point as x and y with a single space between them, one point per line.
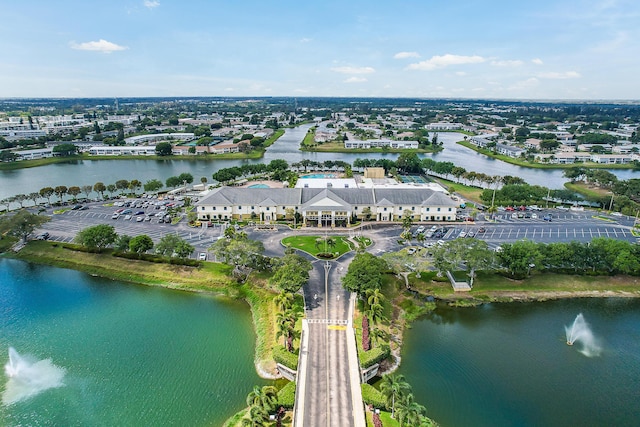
28 378
579 332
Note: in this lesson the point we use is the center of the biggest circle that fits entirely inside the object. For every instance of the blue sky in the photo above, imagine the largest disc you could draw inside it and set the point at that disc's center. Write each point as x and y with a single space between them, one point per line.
544 49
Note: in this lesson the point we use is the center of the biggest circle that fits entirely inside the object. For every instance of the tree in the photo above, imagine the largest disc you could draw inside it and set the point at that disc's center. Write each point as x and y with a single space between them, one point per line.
97 237
87 189
173 181
33 197
409 163
134 186
65 150
519 257
21 224
185 177
122 242
99 188
239 251
111 188
74 191
120 137
164 149
152 185
365 272
167 244
407 219
393 388
122 184
60 191
183 249
141 244
292 274
284 300
47 192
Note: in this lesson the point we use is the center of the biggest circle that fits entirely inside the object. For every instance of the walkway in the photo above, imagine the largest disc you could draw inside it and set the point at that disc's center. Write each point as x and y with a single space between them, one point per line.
328 390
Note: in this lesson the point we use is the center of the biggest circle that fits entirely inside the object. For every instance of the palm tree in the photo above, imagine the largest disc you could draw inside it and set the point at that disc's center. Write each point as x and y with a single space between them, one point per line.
410 412
286 321
379 334
376 313
264 397
257 417
393 387
284 301
374 296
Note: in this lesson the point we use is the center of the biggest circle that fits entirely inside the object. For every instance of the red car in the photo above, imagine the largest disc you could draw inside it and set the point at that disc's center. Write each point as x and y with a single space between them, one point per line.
509 208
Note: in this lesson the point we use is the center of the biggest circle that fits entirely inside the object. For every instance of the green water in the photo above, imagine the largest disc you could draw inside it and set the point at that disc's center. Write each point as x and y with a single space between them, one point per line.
132 355
509 365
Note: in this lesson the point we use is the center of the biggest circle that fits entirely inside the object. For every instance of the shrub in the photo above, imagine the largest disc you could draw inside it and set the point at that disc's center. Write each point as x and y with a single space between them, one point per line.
373 356
373 396
284 357
287 395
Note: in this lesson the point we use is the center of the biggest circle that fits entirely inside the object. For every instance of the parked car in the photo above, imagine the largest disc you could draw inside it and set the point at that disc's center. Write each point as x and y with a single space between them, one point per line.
115 216
411 251
202 256
76 207
547 217
127 217
139 213
43 236
534 216
420 229
139 219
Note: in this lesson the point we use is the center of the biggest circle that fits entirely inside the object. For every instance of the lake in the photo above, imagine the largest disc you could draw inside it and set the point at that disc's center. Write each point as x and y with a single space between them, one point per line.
128 354
84 172
509 364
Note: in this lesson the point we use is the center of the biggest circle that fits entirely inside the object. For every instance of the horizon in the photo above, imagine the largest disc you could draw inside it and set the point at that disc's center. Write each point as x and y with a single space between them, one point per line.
575 51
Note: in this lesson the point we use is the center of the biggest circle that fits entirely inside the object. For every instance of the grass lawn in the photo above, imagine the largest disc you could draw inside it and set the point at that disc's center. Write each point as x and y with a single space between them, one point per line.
385 417
592 192
211 277
469 193
308 244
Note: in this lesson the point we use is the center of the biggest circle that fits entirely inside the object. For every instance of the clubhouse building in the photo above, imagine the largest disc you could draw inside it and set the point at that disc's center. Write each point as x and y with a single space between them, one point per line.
325 206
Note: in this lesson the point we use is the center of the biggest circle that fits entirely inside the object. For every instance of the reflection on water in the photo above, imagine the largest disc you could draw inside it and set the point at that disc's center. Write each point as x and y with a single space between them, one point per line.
509 364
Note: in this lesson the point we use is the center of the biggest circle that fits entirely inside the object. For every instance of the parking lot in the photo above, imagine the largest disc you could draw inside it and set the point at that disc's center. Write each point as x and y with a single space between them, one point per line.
65 226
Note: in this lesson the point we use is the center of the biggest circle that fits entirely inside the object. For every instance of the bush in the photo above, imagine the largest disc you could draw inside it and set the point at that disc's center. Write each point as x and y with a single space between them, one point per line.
373 356
326 255
287 395
373 396
282 356
159 259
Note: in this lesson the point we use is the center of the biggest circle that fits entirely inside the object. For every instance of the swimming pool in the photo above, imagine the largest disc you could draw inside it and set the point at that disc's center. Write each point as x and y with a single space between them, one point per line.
259 186
319 175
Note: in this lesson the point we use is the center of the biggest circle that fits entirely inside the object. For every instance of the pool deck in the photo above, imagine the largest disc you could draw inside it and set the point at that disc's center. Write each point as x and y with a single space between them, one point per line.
270 184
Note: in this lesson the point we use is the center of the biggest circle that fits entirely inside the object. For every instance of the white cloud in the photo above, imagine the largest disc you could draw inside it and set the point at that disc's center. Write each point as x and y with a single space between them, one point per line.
354 70
460 73
99 46
305 40
444 61
151 3
507 63
537 61
355 80
404 55
559 76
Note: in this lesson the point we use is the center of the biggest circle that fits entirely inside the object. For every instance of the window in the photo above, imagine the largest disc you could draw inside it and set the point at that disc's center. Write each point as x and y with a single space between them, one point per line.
356 208
385 209
252 207
214 208
400 208
239 207
449 209
438 209
225 208
268 208
413 208
202 208
427 209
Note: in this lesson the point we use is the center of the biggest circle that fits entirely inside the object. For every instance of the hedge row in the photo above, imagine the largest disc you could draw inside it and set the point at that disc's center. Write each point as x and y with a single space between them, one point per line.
282 356
159 259
373 356
287 395
373 396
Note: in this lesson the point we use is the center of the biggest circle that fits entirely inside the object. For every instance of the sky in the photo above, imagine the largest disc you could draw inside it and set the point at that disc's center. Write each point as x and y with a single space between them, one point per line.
497 49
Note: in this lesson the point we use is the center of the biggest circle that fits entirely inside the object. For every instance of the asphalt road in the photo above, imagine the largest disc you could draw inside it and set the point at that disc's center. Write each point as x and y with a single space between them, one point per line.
327 399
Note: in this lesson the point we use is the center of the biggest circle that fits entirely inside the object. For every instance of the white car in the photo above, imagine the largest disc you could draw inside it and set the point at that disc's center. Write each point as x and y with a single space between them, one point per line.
202 256
534 216
115 216
411 251
139 219
127 217
462 234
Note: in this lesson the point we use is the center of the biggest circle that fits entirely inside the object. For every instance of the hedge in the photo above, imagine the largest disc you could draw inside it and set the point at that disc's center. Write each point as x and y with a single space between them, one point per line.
287 395
373 356
159 259
282 356
373 396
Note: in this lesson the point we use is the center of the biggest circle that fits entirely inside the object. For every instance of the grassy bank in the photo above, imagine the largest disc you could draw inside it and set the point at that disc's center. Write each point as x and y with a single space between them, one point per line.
526 164
541 286
466 191
590 192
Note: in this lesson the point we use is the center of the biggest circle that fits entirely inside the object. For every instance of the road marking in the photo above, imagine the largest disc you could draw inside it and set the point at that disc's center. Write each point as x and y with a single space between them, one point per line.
337 327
